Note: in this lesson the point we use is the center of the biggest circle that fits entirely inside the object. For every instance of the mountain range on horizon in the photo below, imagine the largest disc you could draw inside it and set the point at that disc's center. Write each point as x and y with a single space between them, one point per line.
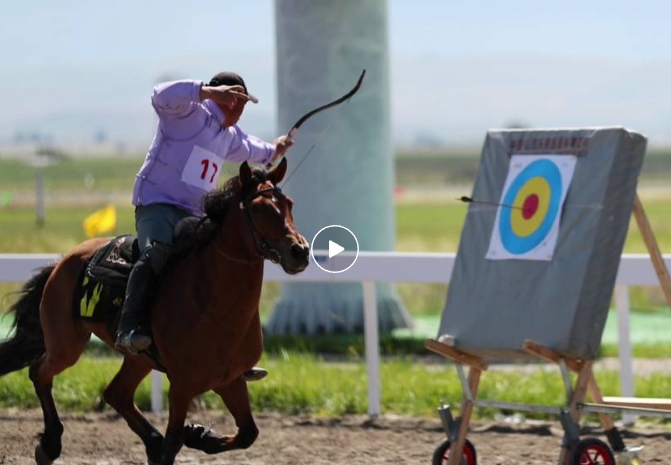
435 101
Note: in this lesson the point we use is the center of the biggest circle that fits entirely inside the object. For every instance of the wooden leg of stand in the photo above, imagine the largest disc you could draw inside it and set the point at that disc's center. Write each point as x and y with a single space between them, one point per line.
653 248
585 376
457 448
606 420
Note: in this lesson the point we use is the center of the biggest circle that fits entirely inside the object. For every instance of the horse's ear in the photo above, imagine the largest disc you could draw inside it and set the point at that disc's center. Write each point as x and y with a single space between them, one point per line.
245 173
278 173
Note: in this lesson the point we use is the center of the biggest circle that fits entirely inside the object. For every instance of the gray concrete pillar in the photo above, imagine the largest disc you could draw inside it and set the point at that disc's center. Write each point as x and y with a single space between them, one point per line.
348 178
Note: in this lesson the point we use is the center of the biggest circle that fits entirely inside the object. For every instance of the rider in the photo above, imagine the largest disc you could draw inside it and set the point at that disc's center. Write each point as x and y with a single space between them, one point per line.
197 131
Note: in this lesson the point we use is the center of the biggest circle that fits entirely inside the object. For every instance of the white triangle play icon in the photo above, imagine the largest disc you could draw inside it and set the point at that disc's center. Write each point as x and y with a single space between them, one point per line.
334 249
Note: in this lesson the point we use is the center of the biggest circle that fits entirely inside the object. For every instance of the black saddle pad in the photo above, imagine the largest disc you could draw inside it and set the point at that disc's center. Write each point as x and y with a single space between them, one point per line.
101 287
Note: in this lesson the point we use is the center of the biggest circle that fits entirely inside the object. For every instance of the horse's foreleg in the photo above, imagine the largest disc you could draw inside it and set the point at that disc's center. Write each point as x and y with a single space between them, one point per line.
119 394
174 435
236 398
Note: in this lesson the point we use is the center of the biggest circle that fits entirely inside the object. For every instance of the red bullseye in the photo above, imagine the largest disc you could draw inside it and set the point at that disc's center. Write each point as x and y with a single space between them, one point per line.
530 206
535 188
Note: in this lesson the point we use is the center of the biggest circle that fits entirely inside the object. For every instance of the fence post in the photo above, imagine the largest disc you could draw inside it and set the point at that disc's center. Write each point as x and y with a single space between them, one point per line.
372 343
156 391
624 348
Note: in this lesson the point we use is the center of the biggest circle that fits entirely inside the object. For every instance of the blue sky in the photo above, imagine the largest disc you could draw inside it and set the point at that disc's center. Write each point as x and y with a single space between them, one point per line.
71 68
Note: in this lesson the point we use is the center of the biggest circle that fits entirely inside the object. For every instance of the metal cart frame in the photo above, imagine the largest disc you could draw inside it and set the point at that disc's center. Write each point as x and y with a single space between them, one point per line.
572 446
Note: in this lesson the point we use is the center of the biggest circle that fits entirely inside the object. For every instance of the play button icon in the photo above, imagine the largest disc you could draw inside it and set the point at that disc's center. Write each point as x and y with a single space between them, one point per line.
334 249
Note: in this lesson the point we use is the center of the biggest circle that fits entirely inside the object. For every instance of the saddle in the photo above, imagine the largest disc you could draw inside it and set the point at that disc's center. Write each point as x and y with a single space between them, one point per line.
101 287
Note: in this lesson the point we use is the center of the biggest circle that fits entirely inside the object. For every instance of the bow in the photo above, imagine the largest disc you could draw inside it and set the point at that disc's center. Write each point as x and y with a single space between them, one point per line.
311 113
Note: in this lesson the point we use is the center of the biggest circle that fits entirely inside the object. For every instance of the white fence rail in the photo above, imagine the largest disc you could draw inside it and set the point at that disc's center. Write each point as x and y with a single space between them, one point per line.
372 267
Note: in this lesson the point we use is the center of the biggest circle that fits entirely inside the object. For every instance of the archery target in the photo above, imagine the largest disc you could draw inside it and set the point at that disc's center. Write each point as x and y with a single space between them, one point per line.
527 219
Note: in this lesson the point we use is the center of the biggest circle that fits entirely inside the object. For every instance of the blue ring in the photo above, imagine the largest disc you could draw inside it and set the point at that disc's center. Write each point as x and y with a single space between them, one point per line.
512 242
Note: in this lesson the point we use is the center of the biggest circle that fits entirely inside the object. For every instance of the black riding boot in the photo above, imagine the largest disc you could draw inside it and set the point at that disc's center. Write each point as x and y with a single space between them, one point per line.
132 335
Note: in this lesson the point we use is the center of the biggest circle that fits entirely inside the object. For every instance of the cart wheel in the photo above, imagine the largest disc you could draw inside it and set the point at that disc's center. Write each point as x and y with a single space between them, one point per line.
592 451
442 453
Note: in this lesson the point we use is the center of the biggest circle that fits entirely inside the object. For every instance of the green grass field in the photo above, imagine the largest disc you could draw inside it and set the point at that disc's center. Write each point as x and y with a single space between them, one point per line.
430 221
430 227
333 389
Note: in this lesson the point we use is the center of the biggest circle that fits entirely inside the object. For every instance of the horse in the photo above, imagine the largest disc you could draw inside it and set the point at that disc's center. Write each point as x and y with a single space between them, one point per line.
204 318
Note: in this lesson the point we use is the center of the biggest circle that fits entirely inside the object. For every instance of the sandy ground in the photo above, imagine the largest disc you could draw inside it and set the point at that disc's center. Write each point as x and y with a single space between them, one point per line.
104 439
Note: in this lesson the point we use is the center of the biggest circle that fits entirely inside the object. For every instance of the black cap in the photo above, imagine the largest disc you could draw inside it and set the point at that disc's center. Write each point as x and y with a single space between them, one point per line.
227 78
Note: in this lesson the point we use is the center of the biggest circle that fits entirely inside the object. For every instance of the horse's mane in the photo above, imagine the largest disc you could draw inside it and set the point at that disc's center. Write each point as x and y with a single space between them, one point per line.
216 205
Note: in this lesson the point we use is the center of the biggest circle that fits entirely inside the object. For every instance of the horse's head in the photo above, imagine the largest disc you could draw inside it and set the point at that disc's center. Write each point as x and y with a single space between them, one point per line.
268 215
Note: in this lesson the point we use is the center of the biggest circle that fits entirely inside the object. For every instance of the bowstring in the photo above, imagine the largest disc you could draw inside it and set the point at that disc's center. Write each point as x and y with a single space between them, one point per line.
317 139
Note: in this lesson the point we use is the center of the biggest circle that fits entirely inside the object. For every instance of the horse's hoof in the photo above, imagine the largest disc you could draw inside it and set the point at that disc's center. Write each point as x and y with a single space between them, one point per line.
202 438
41 457
255 374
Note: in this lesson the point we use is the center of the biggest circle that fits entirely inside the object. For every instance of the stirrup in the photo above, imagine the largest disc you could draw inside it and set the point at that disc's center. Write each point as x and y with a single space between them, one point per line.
132 342
255 374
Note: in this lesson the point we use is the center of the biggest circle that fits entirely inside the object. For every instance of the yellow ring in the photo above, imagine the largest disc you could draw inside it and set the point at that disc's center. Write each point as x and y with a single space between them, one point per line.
523 227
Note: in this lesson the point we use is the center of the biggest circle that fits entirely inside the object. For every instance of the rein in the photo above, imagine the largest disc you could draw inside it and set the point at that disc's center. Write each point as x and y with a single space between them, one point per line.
252 262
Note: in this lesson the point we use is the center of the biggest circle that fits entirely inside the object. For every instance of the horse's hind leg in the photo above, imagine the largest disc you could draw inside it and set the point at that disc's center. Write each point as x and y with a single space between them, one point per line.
42 373
64 342
119 394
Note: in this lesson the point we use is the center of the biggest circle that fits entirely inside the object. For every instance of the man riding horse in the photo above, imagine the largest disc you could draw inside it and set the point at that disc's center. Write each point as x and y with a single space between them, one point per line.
197 131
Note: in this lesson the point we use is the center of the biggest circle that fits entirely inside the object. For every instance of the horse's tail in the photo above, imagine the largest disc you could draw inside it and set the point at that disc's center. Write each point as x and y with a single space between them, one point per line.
26 345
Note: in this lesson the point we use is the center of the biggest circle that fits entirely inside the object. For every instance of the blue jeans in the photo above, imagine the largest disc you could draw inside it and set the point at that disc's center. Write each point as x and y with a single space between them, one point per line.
156 222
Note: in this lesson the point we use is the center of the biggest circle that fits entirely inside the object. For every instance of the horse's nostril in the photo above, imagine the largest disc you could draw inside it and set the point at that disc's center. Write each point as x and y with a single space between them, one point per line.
299 252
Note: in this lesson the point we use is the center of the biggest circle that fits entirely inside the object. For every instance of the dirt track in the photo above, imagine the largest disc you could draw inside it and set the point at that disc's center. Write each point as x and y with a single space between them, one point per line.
104 439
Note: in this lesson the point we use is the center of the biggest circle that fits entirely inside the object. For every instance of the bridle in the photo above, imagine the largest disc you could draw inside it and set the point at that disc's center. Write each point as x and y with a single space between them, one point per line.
264 249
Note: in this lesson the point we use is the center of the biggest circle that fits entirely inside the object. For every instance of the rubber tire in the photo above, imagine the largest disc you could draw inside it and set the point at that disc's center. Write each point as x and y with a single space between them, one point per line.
469 457
604 454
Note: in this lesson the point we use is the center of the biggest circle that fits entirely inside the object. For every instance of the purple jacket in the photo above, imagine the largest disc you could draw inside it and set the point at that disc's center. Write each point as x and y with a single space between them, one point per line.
189 147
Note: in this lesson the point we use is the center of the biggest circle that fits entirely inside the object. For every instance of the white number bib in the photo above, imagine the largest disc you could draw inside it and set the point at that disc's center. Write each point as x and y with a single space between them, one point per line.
202 169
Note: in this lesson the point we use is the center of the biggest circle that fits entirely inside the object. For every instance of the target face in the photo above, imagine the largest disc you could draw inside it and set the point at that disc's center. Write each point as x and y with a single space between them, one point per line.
527 221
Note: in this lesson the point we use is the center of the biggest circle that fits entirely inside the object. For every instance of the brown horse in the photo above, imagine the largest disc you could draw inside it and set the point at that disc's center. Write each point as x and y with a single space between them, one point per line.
205 319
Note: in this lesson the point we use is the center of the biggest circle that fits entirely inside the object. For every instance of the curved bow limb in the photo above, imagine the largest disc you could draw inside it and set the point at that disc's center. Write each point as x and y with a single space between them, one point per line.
313 112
